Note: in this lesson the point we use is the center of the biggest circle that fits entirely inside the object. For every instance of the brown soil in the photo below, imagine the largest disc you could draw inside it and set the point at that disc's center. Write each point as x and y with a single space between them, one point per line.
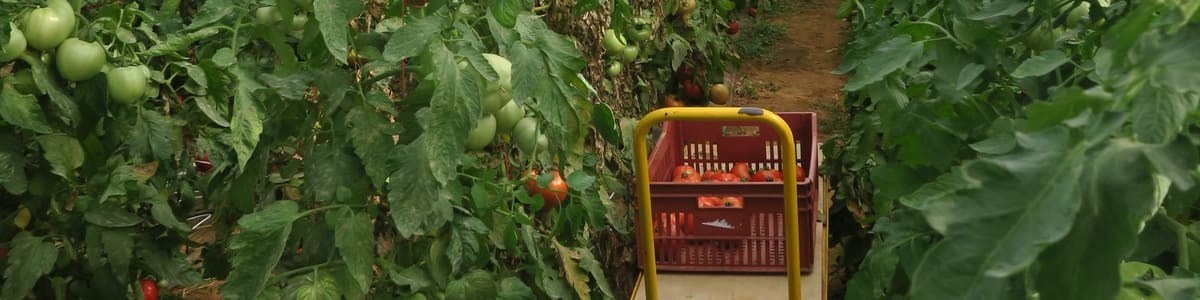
797 74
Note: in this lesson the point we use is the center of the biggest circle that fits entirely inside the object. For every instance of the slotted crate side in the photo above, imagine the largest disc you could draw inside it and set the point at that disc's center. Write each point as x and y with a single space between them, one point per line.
683 243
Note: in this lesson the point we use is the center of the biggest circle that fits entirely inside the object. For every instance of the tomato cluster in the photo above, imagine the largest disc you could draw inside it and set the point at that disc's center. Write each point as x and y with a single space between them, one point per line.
740 172
50 29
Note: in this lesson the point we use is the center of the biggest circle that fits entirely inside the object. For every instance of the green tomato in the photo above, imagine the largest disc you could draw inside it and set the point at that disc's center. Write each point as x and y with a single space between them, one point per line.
267 15
642 35
1041 39
543 142
508 116
498 93
78 60
127 85
630 54
14 48
1079 14
483 133
525 133
299 21
612 42
614 69
47 27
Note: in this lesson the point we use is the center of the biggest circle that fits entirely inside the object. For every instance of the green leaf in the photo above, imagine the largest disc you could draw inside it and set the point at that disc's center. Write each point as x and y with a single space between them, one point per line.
247 123
63 152
1067 104
1000 217
968 74
28 260
606 124
414 38
554 55
118 248
167 265
999 8
885 59
211 110
112 216
66 106
576 276
161 211
903 229
371 136
413 277
355 241
505 11
1159 115
588 262
345 282
477 284
512 288
1175 161
418 202
451 115
155 136
211 12
12 164
333 165
257 249
1175 288
1041 64
333 17
22 110
318 285
180 42
1084 265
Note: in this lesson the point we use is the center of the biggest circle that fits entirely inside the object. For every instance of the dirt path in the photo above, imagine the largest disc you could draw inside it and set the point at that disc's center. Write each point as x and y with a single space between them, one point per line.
796 73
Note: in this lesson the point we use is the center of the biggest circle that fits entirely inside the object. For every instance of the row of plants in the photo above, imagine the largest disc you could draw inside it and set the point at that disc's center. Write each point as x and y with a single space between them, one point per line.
1016 149
411 149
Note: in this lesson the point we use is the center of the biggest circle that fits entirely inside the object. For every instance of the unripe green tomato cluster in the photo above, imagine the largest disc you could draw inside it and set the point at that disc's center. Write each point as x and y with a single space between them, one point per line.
50 29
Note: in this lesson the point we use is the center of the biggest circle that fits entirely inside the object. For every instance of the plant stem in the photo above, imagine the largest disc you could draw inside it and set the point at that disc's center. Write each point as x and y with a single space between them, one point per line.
293 272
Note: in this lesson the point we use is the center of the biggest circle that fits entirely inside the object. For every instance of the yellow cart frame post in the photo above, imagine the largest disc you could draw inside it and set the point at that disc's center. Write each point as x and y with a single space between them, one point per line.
788 164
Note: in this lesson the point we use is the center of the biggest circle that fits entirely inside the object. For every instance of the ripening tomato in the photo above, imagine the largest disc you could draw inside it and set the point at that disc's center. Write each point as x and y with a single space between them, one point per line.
555 192
741 170
149 289
686 174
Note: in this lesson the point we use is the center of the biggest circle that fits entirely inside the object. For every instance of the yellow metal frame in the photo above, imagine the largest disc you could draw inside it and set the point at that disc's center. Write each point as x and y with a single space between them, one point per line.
788 152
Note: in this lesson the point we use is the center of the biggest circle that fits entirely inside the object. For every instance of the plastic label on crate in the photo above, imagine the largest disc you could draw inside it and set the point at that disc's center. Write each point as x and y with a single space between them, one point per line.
739 131
716 223
719 202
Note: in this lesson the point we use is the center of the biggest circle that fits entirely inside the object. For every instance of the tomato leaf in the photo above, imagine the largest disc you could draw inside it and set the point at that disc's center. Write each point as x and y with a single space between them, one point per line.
477 284
318 285
161 211
66 106
1159 114
167 265
576 276
605 123
12 164
413 277
332 17
155 136
505 11
30 257
334 165
452 113
247 123
1084 265
999 8
22 110
1041 64
355 241
589 263
414 38
1033 187
557 57
118 248
512 288
112 216
257 249
211 12
371 136
180 42
885 59
63 152
417 201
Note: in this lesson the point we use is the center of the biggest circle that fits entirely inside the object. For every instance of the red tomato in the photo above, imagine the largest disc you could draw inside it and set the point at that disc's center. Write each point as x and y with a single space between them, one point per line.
555 192
741 170
686 174
672 101
752 11
203 164
765 176
708 201
733 28
731 201
531 183
710 175
727 177
149 289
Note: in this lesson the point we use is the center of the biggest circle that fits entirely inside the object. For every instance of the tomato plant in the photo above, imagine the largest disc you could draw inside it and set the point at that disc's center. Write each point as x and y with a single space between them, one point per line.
1018 152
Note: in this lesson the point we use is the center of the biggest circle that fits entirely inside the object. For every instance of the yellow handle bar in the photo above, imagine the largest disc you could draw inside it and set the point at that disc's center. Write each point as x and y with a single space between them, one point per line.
790 208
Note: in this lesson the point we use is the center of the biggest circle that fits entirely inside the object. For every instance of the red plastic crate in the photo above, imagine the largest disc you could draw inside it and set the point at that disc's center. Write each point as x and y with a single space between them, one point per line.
750 238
